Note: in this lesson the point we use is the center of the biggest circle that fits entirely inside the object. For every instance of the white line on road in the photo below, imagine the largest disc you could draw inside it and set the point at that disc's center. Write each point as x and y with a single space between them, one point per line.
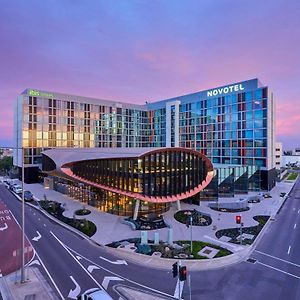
295 226
45 225
289 250
107 279
91 268
111 272
36 238
117 262
298 211
4 227
74 293
39 219
46 270
276 269
286 261
65 247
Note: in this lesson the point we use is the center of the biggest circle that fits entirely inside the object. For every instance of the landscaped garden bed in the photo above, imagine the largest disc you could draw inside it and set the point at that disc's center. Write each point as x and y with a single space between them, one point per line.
178 250
234 233
148 222
199 219
82 212
231 210
292 176
56 210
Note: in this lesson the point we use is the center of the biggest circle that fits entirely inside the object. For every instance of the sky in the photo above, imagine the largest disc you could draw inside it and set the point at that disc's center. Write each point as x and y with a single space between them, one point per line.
136 51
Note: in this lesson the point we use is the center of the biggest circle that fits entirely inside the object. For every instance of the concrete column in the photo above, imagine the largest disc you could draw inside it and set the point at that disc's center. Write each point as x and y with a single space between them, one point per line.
178 205
136 209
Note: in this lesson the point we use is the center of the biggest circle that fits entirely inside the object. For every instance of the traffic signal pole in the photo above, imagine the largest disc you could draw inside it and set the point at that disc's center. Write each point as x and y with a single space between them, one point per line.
241 234
191 220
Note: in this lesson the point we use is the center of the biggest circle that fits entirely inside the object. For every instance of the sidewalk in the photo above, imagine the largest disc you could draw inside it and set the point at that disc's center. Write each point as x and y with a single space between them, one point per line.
35 286
110 227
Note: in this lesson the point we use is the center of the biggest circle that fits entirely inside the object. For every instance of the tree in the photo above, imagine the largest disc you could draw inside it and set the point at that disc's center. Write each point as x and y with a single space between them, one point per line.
6 163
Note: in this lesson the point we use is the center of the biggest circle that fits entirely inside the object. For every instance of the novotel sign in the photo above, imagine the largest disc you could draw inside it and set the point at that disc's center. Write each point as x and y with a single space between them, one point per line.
225 90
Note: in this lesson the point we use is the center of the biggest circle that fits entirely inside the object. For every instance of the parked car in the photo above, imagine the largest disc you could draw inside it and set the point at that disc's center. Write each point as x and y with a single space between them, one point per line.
17 189
28 196
11 185
94 294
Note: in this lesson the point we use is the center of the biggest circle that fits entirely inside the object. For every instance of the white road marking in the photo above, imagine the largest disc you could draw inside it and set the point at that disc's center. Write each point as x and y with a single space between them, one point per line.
74 293
5 227
289 250
117 262
66 248
295 226
91 268
298 211
78 257
276 269
39 219
45 225
34 262
120 276
286 261
46 270
107 279
36 238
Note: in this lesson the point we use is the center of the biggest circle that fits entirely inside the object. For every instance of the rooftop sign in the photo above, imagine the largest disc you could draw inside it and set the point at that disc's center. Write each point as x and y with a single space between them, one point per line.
225 90
36 93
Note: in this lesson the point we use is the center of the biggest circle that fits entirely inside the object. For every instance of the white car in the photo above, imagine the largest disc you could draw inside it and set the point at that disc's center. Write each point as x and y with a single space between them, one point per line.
95 294
17 189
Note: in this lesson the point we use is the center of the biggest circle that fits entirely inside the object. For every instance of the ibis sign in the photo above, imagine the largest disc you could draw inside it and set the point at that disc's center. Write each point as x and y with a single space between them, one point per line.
225 90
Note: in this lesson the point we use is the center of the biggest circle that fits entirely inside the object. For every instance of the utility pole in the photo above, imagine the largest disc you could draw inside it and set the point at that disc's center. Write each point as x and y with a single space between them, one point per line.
191 222
241 234
23 223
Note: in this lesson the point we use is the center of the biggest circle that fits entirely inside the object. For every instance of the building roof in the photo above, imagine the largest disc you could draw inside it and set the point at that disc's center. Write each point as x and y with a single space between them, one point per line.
62 156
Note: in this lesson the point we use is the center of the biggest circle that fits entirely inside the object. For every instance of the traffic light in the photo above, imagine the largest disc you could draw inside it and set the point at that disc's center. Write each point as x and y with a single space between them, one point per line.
238 219
175 270
182 273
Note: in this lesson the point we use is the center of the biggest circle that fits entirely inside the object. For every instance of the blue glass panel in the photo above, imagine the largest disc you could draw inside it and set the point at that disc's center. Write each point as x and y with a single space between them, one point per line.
258 94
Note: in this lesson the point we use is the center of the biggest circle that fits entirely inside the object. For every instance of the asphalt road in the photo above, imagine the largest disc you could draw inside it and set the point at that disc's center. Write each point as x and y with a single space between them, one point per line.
70 260
274 274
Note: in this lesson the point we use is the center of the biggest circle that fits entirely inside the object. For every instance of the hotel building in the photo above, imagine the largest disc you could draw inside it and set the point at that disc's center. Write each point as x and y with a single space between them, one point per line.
232 125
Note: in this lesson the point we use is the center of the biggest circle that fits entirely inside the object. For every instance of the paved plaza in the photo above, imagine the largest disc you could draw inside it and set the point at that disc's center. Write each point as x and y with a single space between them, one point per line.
111 228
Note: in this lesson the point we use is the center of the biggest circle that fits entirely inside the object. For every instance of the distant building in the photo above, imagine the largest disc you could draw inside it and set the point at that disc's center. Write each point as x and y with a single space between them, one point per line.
5 152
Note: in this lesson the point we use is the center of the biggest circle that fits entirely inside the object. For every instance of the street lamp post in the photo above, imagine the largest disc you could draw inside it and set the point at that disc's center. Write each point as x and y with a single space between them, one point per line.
23 223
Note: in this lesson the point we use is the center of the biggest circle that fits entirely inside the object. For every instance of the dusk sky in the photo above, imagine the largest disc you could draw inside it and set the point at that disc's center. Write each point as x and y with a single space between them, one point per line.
133 51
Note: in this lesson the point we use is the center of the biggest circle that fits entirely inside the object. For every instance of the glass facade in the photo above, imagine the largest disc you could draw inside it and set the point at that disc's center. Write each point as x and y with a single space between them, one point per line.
231 125
113 184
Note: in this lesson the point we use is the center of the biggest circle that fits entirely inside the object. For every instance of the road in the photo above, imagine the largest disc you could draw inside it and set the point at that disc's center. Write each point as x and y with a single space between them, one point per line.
73 264
274 274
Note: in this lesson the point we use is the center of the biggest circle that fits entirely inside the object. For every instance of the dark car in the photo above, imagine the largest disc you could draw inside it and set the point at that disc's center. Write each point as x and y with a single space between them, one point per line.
28 196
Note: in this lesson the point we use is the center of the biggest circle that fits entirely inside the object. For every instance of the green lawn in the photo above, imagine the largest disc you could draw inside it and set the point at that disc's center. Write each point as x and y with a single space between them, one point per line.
292 176
198 245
